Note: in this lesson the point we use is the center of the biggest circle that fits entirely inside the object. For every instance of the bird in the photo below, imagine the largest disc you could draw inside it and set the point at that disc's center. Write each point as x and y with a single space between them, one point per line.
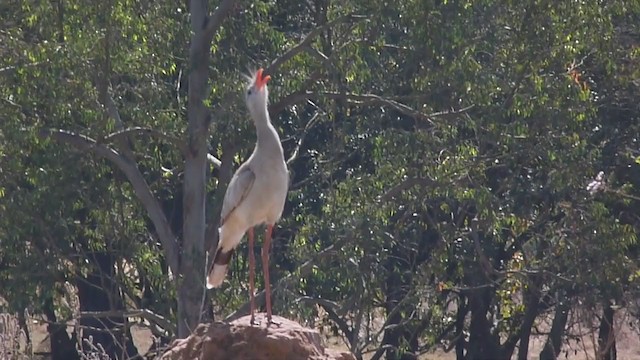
255 196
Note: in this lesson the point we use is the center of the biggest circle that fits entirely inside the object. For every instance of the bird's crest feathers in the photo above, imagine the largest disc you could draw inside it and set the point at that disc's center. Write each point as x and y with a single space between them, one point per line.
257 79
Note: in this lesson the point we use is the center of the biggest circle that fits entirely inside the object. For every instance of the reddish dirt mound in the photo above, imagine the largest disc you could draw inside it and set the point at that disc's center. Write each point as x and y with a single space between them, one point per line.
240 340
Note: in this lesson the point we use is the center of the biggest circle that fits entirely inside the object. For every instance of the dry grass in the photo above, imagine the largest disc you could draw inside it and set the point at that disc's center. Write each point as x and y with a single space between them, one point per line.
13 339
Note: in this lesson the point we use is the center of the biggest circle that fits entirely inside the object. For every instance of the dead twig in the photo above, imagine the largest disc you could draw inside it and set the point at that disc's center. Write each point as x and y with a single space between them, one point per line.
311 123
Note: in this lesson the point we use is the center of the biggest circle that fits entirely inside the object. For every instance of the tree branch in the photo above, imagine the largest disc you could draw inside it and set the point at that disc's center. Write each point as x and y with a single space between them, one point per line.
159 134
362 100
18 66
332 311
143 131
305 131
106 100
129 168
305 44
213 23
148 315
483 260
404 185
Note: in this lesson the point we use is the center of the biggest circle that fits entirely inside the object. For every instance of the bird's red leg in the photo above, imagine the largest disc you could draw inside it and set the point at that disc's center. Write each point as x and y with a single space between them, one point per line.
252 271
266 248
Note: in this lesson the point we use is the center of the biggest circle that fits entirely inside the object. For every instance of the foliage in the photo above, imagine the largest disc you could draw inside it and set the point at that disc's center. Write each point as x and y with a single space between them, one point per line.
443 148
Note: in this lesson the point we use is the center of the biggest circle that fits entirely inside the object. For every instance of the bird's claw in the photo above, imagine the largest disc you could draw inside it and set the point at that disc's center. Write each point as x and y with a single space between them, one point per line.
270 322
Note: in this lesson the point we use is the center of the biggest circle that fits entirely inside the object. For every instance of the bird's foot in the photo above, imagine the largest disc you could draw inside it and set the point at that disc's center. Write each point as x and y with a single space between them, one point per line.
270 322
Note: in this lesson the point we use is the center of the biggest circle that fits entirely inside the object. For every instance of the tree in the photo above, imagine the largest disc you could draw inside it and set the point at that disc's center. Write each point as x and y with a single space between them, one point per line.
186 257
439 153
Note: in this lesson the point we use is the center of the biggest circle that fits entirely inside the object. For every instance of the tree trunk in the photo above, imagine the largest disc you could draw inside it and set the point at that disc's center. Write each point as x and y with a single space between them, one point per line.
393 297
192 264
62 346
553 344
607 336
398 285
98 292
461 314
532 302
482 343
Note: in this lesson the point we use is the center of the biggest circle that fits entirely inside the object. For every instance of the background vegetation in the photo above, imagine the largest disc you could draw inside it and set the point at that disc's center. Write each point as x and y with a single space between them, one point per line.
465 174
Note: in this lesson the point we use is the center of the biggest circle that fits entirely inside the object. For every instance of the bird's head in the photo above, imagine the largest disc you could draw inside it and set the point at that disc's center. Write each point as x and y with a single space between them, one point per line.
257 93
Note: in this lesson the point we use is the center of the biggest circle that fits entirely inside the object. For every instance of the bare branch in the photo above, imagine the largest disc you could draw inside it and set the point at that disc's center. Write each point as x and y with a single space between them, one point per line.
139 313
451 113
404 185
129 168
381 350
319 55
623 194
305 44
305 131
363 100
214 22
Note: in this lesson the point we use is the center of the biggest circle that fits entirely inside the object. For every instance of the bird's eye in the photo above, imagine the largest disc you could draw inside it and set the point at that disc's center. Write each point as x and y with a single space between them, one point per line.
249 91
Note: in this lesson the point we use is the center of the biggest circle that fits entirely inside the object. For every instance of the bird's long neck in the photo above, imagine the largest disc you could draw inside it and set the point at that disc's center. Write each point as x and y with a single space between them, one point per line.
268 139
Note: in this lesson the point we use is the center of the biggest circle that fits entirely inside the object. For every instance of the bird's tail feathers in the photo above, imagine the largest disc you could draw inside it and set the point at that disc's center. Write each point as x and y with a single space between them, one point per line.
219 268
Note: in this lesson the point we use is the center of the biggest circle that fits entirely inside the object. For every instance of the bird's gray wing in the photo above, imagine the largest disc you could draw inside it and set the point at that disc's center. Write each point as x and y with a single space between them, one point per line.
239 187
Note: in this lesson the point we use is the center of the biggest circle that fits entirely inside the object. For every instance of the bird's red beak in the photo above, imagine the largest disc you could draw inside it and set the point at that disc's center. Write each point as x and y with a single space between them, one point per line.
261 81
